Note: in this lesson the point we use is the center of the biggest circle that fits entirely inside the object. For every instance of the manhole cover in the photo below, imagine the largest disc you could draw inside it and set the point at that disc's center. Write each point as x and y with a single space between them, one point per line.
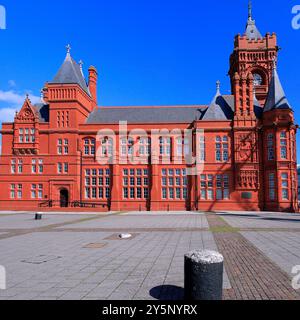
40 259
95 245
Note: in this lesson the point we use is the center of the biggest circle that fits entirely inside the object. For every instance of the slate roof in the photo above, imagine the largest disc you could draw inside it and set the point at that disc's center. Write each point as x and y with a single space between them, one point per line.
43 111
219 109
252 32
276 96
176 114
71 73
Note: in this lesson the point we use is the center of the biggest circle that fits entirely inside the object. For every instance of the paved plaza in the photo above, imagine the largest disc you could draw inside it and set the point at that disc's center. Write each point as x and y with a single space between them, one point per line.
80 256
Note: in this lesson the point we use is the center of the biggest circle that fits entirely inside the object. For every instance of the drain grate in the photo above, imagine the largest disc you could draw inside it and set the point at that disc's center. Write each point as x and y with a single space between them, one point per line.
40 259
95 245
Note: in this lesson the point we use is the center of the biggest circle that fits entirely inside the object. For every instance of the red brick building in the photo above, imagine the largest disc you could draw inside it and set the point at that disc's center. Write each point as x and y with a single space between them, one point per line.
53 154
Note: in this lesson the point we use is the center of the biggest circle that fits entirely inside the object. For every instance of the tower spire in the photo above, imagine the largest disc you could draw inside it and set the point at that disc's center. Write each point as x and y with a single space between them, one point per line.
68 47
250 10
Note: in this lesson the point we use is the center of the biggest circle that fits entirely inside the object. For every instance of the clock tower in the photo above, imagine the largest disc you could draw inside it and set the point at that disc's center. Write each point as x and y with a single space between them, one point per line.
253 54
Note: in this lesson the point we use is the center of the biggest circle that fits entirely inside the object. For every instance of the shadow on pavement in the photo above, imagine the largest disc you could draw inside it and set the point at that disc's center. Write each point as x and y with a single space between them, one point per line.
167 292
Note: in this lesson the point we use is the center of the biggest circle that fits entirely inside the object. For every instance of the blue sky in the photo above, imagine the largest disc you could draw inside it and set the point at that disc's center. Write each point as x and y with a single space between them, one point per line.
158 52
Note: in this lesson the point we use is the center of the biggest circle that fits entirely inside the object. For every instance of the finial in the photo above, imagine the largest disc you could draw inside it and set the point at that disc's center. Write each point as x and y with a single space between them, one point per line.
250 10
68 47
27 96
42 95
80 64
218 83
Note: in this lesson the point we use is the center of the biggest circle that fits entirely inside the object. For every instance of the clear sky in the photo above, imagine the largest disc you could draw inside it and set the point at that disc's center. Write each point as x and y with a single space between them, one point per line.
158 52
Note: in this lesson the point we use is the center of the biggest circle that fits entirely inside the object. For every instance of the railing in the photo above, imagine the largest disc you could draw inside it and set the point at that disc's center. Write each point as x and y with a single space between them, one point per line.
73 204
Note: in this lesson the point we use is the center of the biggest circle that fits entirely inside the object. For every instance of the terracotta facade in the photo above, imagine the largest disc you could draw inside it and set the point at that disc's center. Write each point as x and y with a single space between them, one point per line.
52 155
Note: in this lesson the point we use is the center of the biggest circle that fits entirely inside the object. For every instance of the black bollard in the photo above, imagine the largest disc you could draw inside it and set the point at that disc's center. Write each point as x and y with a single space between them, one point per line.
203 275
38 216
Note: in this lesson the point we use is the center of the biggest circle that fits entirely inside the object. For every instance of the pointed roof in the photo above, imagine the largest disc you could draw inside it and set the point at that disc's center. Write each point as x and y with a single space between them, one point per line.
218 110
276 96
252 32
258 109
71 73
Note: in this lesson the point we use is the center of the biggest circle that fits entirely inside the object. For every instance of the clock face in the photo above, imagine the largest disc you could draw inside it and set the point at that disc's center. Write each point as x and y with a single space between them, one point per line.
257 79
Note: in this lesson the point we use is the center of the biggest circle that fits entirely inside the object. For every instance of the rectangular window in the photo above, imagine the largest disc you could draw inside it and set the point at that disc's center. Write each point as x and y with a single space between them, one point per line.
202 148
40 191
146 193
285 186
164 181
13 166
66 167
139 193
20 191
132 193
13 191
272 186
107 193
94 193
59 168
125 193
164 193
33 191
283 145
33 166
185 193
171 193
100 192
41 166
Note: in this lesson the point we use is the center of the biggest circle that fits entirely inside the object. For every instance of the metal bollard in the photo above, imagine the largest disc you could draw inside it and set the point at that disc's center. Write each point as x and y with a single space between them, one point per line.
38 216
203 275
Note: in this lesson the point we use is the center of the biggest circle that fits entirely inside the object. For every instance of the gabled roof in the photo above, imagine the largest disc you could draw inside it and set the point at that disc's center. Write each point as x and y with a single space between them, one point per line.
71 73
219 109
276 96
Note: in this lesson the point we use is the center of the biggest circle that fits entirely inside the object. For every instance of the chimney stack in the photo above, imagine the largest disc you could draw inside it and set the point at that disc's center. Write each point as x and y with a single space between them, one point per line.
93 77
